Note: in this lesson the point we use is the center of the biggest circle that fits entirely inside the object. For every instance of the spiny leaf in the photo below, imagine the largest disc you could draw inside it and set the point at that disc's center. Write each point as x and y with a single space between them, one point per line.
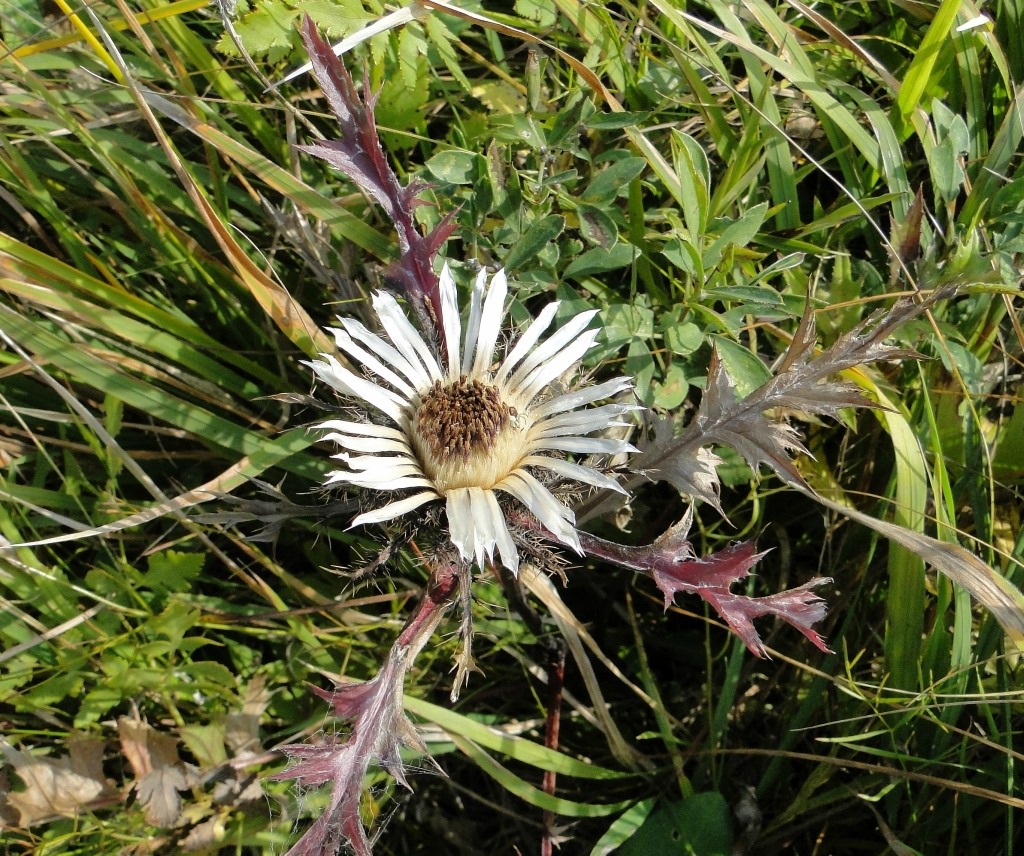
751 424
671 562
359 155
380 729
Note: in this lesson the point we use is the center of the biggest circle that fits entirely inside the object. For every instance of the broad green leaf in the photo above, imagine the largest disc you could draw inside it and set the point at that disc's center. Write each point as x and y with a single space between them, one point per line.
599 260
614 180
700 825
455 166
743 366
671 392
625 322
640 367
596 225
541 233
683 338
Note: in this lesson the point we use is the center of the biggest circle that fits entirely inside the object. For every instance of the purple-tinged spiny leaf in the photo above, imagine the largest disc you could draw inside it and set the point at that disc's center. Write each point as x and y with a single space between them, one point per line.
359 155
671 562
380 729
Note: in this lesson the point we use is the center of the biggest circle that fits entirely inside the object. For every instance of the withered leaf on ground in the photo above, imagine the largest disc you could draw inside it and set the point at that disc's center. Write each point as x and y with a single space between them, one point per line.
159 771
57 787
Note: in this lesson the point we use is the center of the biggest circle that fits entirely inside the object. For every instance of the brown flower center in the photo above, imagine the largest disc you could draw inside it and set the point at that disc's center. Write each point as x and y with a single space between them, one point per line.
465 434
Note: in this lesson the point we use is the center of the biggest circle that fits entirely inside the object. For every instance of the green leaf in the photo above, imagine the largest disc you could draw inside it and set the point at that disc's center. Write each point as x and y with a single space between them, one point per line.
152 399
511 745
455 166
269 28
536 238
501 97
951 125
615 121
206 743
694 173
947 174
614 180
971 369
173 623
945 158
597 225
531 794
684 338
624 322
337 18
411 48
759 297
441 39
919 72
734 233
210 676
683 254
699 826
743 366
671 392
623 828
640 367
96 704
173 570
600 260
57 689
541 11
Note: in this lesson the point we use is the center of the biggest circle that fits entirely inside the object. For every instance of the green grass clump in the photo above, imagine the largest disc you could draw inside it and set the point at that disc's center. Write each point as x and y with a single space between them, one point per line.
701 174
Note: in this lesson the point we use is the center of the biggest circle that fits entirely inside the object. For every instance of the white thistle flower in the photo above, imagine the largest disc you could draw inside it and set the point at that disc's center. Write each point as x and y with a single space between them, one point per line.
462 430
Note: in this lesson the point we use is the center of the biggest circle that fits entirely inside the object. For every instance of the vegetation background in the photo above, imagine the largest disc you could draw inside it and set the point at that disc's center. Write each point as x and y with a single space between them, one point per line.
167 258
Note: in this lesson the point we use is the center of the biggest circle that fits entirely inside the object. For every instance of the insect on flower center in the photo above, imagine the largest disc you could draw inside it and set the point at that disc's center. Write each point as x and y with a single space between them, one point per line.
466 435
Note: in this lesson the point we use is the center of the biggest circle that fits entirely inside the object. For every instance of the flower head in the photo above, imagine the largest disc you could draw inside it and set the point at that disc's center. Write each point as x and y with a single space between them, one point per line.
463 429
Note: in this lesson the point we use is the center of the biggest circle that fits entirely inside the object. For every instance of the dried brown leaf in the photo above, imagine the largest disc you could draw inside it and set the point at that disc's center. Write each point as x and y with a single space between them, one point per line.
159 771
158 792
57 787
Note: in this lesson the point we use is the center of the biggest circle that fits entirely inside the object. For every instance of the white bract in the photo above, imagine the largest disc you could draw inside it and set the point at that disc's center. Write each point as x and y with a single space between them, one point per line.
460 429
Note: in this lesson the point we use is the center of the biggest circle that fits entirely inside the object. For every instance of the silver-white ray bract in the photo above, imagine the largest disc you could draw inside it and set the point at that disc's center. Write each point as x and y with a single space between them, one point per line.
536 422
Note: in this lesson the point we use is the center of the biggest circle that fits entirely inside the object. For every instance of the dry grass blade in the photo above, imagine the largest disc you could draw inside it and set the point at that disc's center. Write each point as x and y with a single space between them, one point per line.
986 585
574 633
